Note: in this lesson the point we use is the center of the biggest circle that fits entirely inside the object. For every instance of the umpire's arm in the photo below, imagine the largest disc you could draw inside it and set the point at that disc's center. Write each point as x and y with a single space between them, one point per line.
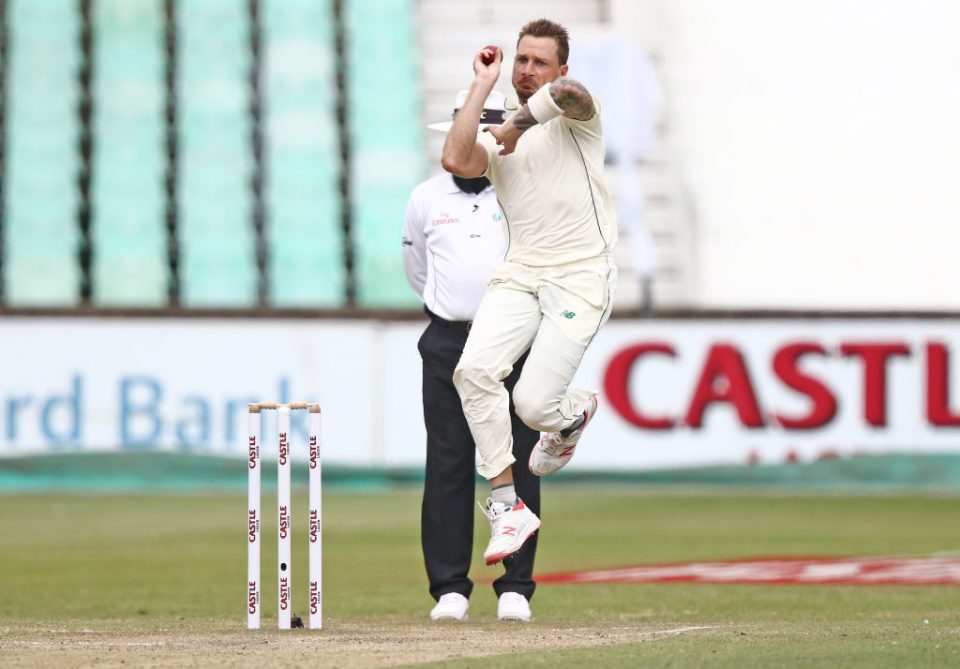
414 245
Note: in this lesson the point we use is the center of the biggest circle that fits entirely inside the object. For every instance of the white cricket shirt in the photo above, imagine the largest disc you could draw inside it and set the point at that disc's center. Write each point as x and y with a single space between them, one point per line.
552 192
451 241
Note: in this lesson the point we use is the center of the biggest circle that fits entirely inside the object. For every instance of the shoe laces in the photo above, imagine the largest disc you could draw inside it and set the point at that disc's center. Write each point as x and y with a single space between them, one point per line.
494 511
553 443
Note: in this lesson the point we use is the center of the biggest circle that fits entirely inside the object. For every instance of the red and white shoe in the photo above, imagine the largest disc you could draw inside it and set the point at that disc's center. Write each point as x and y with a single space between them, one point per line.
553 451
510 527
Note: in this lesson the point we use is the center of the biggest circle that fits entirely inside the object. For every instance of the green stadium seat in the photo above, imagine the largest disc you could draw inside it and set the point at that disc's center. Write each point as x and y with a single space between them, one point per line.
394 170
213 52
219 282
42 279
302 163
295 17
306 170
370 134
380 13
38 105
41 235
320 240
128 230
310 197
42 245
387 161
307 218
298 279
217 132
37 16
212 178
212 239
130 279
135 228
123 16
302 93
24 187
123 65
305 129
144 183
141 120
212 10
223 94
139 129
374 290
35 142
379 270
41 219
130 213
216 237
46 22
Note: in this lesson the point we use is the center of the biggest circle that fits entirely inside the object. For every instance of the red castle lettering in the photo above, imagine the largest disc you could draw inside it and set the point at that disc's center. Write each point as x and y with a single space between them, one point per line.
939 412
284 449
284 594
314 526
284 522
314 597
253 525
725 379
314 452
253 597
253 453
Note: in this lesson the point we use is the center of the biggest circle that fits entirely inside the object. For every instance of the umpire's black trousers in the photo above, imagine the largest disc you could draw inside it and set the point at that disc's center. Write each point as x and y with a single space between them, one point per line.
449 488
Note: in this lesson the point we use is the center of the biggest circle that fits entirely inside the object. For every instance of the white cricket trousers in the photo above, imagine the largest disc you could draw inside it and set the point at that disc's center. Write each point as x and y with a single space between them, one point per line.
555 312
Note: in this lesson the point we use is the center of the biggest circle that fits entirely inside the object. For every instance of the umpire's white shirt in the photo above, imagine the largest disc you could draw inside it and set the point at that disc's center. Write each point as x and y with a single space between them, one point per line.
451 241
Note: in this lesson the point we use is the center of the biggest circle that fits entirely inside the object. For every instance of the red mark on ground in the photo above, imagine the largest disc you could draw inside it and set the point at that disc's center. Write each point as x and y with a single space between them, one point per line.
780 571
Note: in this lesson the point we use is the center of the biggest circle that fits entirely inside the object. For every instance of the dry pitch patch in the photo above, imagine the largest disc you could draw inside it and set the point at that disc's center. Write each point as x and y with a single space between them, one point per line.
342 644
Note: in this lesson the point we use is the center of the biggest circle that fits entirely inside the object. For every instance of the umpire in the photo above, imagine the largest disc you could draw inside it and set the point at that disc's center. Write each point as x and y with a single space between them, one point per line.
452 238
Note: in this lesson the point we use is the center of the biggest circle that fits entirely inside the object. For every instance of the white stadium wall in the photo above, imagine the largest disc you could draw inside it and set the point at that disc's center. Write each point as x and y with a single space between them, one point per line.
819 146
673 393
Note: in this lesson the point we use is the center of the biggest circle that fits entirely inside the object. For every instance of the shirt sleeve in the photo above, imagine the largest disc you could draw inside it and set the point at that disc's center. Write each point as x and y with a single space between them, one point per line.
414 243
489 142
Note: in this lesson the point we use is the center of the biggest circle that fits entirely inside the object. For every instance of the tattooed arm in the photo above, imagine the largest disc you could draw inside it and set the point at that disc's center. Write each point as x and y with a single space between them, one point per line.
573 99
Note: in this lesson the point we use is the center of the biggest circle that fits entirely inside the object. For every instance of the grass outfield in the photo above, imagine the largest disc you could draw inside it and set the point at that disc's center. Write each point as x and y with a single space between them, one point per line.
159 580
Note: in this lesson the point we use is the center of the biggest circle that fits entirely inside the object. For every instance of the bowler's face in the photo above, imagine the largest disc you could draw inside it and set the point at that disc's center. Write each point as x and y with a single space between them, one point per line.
536 63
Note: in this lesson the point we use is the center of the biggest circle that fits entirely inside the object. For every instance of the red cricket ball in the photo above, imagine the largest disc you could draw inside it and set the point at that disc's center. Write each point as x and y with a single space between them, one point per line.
488 59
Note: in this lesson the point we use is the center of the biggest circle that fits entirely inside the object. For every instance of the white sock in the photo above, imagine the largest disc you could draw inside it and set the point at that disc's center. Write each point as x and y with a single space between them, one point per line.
504 494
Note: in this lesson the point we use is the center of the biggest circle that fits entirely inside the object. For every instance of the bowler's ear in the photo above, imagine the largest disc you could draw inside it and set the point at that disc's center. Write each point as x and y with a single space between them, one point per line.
563 70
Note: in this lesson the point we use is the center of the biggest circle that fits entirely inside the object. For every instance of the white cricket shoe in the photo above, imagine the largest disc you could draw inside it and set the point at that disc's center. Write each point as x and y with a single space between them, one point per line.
510 526
554 450
513 606
451 606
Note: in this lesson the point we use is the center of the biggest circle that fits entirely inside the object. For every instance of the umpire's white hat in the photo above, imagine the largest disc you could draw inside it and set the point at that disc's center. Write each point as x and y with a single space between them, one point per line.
495 110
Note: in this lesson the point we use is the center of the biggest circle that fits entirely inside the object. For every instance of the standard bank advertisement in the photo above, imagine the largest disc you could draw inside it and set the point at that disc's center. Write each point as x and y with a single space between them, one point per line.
672 393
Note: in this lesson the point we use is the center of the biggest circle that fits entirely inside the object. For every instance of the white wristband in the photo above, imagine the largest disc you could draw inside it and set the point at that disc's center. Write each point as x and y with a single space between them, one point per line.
542 105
